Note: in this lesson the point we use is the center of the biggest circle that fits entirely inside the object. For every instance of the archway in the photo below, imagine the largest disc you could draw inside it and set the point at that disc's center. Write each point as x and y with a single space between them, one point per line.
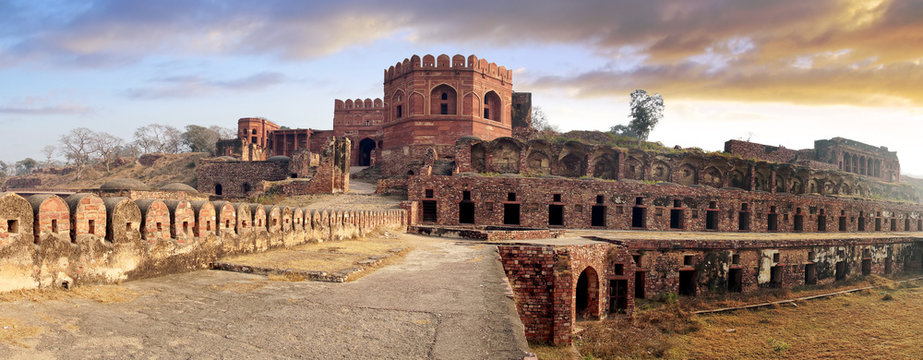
492 106
587 295
218 189
365 151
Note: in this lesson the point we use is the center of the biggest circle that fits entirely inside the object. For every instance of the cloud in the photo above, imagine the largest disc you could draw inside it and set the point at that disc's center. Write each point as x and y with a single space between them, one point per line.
40 106
751 50
185 86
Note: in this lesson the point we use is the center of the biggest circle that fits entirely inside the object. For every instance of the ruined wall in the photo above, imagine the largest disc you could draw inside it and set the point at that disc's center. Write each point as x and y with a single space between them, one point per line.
360 121
750 150
858 158
546 282
575 159
47 241
529 202
234 179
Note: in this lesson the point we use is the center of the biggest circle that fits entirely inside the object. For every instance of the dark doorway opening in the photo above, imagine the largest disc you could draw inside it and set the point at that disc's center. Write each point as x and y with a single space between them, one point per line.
775 276
618 296
842 223
511 214
365 151
676 219
711 220
822 222
772 222
743 221
906 224
840 271
466 212
639 284
866 267
810 274
587 296
861 222
893 224
877 224
430 211
687 282
888 265
799 222
735 280
556 215
247 187
218 189
637 217
598 216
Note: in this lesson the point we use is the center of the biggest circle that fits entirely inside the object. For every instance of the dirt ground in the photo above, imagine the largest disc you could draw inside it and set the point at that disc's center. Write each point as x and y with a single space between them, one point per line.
328 256
445 300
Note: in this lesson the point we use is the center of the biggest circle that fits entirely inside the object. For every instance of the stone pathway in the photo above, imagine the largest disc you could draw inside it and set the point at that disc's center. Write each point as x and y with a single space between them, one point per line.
445 300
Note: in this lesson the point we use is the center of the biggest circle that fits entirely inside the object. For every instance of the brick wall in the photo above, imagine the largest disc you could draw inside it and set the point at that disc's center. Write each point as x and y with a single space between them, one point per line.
617 202
128 244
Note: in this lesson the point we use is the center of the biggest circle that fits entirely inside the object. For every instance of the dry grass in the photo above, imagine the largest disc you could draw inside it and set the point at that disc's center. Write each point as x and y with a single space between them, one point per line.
879 323
13 332
550 352
327 256
106 294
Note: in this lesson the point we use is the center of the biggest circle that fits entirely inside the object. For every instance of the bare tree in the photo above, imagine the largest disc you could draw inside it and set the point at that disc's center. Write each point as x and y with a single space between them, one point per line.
223 132
540 120
49 151
160 138
77 147
107 147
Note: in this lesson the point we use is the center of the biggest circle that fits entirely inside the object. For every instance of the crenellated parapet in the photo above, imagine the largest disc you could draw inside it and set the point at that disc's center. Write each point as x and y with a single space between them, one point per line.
444 63
358 104
49 241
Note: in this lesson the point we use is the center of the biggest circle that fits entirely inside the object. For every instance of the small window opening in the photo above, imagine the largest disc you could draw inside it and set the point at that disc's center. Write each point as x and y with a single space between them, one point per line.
91 226
511 197
619 269
775 257
677 203
444 109
466 195
712 205
735 259
599 199
687 260
445 96
159 227
429 193
54 226
12 226
556 198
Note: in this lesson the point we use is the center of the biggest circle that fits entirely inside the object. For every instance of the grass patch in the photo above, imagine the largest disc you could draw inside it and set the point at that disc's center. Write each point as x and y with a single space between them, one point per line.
328 256
867 324
545 351
106 294
13 332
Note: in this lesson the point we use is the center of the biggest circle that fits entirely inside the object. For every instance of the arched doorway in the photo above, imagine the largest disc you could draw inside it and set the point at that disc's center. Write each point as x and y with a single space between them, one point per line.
586 301
218 189
365 151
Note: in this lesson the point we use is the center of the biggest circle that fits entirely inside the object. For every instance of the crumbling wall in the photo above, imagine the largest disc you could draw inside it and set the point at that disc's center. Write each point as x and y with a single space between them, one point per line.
133 239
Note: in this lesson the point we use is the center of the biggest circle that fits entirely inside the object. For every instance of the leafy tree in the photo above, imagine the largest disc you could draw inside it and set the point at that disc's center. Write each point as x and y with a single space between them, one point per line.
4 169
201 139
540 120
77 147
646 112
158 138
25 166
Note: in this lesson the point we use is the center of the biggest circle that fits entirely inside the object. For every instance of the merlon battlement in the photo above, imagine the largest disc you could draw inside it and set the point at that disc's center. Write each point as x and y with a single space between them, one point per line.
358 104
443 62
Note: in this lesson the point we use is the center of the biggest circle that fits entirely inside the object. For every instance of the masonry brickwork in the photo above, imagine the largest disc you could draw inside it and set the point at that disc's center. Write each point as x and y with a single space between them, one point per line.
115 239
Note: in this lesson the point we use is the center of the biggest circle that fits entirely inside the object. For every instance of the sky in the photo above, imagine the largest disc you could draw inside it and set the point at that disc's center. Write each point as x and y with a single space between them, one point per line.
784 72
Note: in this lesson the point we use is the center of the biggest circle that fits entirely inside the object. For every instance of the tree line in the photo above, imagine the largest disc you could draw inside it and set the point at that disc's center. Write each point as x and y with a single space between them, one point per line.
81 147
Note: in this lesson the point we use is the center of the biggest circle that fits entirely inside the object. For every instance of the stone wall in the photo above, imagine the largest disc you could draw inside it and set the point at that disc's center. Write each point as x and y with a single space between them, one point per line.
550 295
115 239
575 159
235 179
624 205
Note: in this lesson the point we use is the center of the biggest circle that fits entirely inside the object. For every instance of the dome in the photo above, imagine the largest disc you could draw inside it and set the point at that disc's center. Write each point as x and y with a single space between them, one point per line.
179 187
124 184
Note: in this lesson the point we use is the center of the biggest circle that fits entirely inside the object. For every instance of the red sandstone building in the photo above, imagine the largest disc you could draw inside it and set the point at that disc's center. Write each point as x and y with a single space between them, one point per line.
429 103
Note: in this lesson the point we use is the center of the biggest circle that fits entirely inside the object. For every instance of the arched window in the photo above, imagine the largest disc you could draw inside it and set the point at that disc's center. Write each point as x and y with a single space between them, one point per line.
443 100
492 106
